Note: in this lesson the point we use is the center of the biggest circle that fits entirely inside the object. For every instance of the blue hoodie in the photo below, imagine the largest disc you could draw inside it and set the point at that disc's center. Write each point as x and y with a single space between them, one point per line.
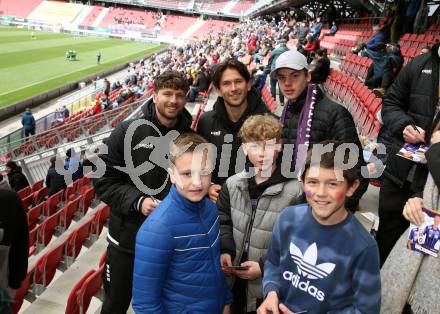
322 268
177 259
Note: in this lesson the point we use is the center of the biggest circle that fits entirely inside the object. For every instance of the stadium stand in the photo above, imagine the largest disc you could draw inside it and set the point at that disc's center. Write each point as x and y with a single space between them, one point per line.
213 6
176 25
92 16
213 27
19 8
129 19
52 12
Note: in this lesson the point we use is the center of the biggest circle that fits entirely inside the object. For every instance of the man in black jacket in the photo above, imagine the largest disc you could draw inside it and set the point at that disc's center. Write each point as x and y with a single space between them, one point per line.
409 113
54 181
136 179
330 121
17 180
237 101
201 84
14 237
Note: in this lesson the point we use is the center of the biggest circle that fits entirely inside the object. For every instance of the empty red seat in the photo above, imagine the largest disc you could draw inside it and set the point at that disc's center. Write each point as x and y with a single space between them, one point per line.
48 263
72 306
32 240
86 200
40 195
47 228
90 287
23 290
99 219
77 238
36 186
34 214
24 192
52 203
68 212
27 201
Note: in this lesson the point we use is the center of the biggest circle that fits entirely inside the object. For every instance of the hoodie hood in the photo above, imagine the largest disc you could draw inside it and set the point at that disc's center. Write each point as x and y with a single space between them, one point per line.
149 112
255 105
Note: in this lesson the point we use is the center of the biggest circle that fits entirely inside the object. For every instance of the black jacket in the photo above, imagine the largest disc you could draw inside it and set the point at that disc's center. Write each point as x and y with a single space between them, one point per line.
54 181
13 222
17 180
331 121
412 98
215 124
117 189
202 81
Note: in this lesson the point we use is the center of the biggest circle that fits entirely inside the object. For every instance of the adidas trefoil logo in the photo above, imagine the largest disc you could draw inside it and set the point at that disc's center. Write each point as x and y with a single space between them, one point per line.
306 264
306 270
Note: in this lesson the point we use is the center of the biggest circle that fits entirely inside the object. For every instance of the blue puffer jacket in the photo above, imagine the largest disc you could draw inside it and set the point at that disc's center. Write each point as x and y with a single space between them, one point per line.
177 260
28 121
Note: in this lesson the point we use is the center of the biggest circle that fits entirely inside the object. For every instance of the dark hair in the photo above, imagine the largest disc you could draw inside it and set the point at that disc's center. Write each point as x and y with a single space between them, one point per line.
328 162
230 64
53 160
170 79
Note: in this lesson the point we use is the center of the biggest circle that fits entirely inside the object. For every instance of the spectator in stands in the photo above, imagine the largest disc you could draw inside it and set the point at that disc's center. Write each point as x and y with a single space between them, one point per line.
409 113
14 244
73 164
106 88
330 121
201 84
274 54
236 102
168 250
4 183
310 46
17 180
316 29
28 122
321 68
332 30
302 33
376 41
381 64
130 202
259 78
54 181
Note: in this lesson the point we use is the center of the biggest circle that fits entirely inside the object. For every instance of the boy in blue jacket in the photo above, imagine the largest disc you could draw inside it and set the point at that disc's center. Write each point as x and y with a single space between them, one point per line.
321 259
177 254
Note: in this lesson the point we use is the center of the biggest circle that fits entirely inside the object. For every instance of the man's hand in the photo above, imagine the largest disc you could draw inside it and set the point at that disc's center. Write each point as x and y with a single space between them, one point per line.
435 138
213 192
270 304
413 211
226 260
148 205
252 273
226 309
411 136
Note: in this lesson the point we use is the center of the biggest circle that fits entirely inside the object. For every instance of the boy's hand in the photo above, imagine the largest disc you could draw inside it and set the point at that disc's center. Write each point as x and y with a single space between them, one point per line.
413 211
148 205
252 273
226 309
270 304
213 192
411 136
285 310
226 260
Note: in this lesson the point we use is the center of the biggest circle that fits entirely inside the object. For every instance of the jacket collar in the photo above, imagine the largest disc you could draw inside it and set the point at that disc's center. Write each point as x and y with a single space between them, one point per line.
299 103
185 203
243 184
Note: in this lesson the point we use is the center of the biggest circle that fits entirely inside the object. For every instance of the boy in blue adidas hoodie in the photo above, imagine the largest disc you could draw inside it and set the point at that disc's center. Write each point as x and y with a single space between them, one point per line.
321 259
177 253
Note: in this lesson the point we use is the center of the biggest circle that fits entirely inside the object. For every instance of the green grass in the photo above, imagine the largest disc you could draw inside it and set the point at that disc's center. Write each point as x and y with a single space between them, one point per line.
29 67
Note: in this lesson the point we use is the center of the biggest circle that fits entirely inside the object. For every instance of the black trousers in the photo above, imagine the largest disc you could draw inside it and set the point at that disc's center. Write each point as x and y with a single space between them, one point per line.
117 279
29 132
392 224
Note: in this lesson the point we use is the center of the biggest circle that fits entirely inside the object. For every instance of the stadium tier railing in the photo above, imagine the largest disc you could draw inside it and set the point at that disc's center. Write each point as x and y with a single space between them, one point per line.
85 130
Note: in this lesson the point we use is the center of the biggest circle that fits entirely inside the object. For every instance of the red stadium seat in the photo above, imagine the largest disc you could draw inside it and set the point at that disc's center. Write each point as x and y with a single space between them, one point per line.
72 306
47 228
40 195
24 192
36 186
24 288
52 203
48 263
34 214
99 219
77 238
68 212
90 287
86 200
32 240
27 201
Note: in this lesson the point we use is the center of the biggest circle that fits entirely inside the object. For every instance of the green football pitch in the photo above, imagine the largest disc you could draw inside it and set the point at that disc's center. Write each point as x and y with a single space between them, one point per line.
30 66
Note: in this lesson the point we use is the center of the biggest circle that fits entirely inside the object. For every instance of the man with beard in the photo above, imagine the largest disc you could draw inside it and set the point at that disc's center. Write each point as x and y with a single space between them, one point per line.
237 101
132 193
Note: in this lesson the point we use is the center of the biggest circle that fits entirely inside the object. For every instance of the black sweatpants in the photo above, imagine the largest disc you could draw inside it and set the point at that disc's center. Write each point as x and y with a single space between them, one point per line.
392 224
117 279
